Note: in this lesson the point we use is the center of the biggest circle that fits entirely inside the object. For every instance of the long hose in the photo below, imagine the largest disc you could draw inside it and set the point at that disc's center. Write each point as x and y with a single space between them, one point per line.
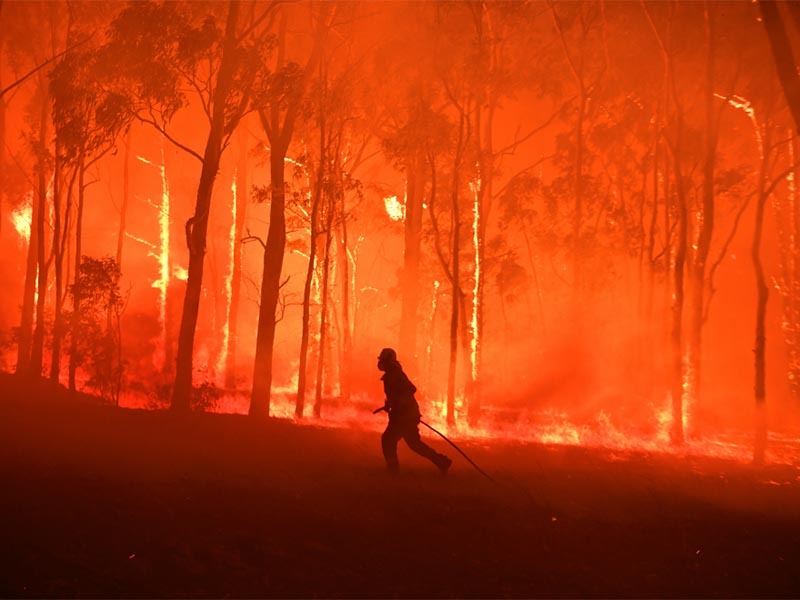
464 454
449 441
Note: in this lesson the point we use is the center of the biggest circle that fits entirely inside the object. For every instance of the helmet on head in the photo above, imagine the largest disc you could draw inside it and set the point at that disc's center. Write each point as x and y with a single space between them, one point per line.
388 355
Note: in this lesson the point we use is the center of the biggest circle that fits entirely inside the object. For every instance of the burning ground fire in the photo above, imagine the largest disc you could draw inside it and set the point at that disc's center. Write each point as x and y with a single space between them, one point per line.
548 427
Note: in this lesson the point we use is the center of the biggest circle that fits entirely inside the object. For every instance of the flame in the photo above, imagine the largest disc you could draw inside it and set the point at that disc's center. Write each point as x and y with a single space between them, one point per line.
548 427
431 321
22 217
223 354
163 255
178 272
394 208
475 187
743 104
160 252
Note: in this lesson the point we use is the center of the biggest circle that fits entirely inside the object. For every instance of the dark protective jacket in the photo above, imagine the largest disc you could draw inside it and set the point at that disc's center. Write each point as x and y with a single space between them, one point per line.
400 402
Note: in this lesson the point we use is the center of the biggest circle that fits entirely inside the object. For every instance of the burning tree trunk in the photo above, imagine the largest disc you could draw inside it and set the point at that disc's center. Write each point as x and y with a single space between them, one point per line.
451 269
2 143
706 220
788 219
483 190
316 199
43 266
323 322
197 225
347 338
676 336
25 341
676 148
236 272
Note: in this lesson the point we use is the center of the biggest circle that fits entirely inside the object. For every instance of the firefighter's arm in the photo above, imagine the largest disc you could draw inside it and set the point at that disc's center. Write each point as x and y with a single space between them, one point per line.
385 407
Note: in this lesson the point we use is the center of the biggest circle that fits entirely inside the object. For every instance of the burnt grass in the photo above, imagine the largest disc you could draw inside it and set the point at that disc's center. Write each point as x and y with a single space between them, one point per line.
104 502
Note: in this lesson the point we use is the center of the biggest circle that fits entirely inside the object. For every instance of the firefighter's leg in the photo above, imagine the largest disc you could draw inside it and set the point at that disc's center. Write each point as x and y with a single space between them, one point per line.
412 438
389 440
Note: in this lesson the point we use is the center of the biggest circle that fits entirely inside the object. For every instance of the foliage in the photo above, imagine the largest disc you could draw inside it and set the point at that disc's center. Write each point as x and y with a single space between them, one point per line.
98 340
162 56
88 119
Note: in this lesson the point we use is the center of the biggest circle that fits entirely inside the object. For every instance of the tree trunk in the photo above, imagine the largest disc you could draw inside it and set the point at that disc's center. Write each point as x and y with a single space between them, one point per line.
270 287
456 273
302 374
676 336
793 299
76 290
783 55
323 323
347 355
409 282
706 223
123 213
3 169
37 349
762 292
58 257
279 134
236 276
166 279
197 226
28 295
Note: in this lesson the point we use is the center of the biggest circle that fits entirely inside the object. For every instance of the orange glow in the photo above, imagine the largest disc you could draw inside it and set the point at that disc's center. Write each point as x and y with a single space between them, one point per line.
475 186
223 355
544 253
21 217
161 253
394 208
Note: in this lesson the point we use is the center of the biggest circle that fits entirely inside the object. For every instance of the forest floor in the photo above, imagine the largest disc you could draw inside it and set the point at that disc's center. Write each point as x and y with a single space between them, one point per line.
99 501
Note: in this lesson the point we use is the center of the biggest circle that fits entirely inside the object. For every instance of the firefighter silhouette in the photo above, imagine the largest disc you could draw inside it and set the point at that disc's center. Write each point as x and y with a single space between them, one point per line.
404 415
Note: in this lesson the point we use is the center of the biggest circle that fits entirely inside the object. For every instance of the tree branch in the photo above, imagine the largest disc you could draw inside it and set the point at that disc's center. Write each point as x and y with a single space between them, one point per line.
163 131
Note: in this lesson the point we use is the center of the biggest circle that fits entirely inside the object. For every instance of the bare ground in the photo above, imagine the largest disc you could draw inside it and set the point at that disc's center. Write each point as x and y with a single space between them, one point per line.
104 502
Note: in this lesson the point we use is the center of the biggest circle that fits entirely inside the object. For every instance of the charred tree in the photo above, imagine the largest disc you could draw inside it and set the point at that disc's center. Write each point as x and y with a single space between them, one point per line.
74 355
43 263
698 271
324 308
60 225
126 192
762 296
197 226
343 252
316 200
788 219
279 129
782 55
